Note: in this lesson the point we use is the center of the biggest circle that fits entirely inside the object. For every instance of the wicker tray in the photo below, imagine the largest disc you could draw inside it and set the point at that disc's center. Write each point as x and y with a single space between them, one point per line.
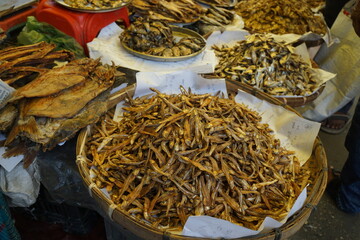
291 101
317 165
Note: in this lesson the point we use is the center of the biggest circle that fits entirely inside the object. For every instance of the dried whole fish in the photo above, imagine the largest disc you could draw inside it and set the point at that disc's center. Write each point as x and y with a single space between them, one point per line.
174 156
18 63
53 110
280 17
157 38
270 66
174 11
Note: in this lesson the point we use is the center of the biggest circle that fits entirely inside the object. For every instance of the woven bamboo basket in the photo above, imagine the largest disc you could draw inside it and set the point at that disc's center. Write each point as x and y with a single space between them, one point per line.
297 101
293 101
317 164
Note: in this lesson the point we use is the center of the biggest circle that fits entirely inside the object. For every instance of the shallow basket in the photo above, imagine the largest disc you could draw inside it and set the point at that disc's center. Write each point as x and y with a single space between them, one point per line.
293 101
317 164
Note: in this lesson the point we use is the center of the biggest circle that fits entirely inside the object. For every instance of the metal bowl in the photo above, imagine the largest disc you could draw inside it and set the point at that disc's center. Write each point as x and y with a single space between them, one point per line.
122 3
177 32
231 4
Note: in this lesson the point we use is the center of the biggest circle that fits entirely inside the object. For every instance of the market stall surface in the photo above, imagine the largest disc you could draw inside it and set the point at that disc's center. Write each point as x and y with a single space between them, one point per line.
326 221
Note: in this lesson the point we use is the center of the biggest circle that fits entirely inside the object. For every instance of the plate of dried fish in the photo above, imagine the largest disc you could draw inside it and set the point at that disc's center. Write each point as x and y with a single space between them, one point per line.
171 158
159 41
97 6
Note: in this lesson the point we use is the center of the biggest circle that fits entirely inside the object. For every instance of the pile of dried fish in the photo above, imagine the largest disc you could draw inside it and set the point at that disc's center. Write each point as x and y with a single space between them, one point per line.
17 64
217 16
156 38
265 64
175 11
174 156
95 4
280 17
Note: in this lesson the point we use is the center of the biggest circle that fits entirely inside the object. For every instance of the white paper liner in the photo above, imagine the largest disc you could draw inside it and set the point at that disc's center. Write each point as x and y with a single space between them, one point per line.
8 163
209 227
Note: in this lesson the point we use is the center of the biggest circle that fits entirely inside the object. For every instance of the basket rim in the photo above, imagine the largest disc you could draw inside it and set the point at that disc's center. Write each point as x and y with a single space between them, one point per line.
292 101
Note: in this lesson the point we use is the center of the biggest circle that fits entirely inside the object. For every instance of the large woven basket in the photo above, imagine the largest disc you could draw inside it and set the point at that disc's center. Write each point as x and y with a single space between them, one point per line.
317 165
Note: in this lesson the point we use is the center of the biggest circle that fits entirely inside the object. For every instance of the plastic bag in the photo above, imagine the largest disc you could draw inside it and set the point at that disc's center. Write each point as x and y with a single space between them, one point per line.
21 185
61 178
35 32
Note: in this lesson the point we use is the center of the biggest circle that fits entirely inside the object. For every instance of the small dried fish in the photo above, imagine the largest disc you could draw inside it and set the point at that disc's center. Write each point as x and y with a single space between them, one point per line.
270 66
193 169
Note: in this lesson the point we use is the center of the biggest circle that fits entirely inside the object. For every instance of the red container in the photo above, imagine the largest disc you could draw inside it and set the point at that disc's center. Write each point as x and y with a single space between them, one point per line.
83 26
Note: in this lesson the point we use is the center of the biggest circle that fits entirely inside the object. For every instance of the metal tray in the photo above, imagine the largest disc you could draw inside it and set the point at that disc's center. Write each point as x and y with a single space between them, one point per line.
11 6
177 32
232 3
122 3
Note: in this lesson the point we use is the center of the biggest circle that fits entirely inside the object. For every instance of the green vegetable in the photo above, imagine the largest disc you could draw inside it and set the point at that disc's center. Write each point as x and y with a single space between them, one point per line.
35 31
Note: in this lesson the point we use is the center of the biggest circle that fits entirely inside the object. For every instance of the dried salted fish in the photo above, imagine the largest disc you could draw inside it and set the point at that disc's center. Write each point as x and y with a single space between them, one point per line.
156 38
173 156
280 17
58 79
20 62
175 11
268 65
55 112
